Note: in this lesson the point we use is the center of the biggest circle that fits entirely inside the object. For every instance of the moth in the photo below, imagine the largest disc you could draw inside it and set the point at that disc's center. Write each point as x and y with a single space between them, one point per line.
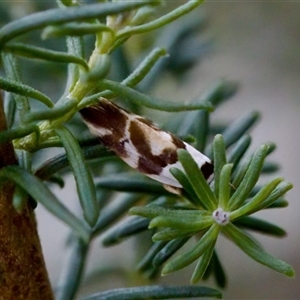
141 144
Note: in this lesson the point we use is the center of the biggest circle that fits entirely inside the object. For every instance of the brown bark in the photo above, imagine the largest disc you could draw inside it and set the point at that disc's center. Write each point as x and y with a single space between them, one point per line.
23 273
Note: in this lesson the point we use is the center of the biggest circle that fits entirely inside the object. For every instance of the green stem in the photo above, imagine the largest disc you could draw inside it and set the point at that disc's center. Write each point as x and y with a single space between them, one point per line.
63 15
168 18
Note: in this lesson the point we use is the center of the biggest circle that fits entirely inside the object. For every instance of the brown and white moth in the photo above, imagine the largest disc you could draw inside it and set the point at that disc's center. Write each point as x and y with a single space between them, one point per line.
139 143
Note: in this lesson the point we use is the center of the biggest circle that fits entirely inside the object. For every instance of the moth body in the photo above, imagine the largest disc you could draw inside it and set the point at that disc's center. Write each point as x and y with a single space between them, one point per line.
141 144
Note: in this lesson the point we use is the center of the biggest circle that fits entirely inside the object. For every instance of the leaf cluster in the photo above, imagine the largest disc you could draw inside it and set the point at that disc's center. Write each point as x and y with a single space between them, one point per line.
106 188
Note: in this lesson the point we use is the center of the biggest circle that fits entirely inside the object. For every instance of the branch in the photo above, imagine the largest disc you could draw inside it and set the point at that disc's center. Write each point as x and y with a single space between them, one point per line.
23 272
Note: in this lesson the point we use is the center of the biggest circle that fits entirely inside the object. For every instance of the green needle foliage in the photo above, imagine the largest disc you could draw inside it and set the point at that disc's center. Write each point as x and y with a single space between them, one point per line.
216 210
106 188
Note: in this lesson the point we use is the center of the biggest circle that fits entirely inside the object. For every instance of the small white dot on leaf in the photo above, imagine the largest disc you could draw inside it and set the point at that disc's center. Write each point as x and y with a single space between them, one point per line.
221 217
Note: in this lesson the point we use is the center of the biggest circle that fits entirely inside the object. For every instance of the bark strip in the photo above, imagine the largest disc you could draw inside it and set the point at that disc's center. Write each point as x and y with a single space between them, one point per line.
23 273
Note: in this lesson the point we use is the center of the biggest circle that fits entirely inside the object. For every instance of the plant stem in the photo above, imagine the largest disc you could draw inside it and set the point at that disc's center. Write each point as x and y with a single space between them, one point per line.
23 271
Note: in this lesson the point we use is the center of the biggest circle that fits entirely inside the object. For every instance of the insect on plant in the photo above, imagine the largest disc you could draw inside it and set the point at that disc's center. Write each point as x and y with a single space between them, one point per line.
198 184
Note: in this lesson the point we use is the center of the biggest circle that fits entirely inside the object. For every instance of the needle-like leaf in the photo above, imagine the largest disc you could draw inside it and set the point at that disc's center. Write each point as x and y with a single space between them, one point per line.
82 174
40 193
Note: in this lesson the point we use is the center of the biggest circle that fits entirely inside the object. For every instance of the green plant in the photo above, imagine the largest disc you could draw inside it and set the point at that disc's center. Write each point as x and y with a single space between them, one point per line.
202 210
